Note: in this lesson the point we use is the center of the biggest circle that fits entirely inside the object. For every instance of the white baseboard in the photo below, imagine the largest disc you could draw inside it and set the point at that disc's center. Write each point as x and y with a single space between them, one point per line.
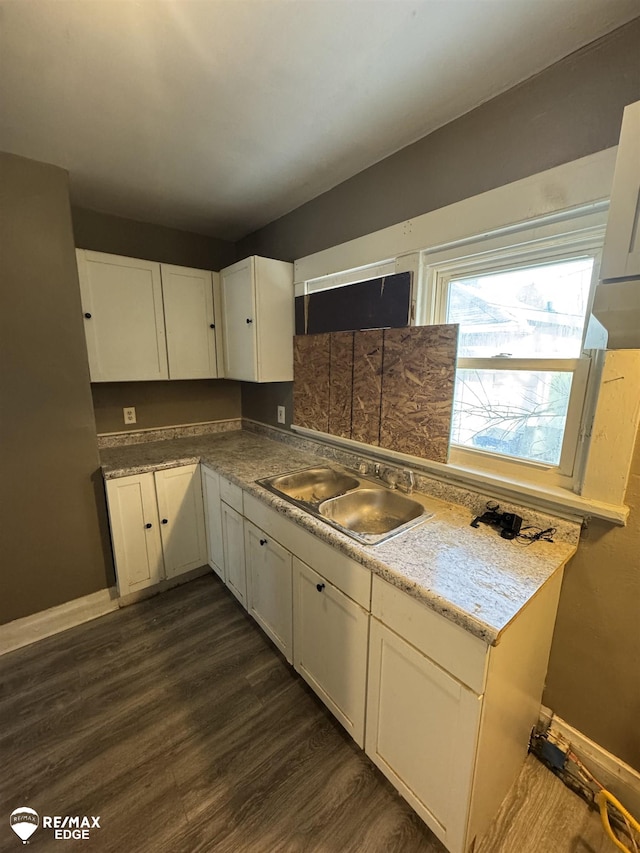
30 629
616 776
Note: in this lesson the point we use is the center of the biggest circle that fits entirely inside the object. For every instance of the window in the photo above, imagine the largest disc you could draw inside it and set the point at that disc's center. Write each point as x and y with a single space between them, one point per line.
522 372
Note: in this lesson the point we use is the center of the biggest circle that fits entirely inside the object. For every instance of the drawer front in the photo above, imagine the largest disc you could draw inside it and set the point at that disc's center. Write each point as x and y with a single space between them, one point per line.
442 641
343 572
231 494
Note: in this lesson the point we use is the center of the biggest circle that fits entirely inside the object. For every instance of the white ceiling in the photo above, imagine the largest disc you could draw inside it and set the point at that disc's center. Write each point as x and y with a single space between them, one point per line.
218 116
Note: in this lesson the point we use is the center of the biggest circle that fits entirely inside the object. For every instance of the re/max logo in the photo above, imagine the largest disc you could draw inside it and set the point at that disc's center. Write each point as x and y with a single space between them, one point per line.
67 822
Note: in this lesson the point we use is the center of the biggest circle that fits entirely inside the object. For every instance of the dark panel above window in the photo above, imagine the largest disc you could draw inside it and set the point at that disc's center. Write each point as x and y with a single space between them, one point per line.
374 304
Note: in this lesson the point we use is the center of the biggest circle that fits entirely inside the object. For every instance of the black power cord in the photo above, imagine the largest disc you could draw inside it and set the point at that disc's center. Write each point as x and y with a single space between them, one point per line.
536 534
510 526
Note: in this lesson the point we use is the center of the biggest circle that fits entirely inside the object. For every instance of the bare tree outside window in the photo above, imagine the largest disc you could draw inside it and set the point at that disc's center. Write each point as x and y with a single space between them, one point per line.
534 313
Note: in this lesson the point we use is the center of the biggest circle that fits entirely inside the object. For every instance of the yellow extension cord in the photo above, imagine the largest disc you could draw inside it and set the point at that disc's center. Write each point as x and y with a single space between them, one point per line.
603 797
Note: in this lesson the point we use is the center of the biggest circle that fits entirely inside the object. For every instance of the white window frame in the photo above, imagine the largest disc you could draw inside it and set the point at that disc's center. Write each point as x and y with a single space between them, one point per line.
346 277
575 239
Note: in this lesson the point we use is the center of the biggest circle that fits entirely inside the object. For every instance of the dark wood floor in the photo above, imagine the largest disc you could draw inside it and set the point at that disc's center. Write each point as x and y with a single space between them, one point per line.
178 724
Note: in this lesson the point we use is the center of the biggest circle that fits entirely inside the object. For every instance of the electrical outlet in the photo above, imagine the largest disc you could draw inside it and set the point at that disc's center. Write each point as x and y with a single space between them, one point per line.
130 415
281 414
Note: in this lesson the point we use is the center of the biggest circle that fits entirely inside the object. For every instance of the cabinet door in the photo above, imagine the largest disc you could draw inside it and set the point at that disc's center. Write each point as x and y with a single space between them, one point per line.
190 322
239 321
269 586
422 728
179 492
621 253
213 520
124 321
330 646
233 541
275 319
135 533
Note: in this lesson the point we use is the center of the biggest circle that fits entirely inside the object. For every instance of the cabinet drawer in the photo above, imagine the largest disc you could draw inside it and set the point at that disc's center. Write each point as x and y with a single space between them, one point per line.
343 572
444 642
231 494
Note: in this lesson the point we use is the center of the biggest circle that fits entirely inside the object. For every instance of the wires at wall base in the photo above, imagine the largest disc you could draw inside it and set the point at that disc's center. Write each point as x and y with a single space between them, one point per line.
555 752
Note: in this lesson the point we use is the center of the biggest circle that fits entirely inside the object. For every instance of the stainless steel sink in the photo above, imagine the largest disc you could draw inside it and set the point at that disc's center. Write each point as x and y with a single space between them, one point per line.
371 511
358 507
313 485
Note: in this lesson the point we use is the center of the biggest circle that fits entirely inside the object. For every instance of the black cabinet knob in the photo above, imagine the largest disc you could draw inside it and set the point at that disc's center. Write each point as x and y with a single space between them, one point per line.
165 520
148 526
319 587
263 541
212 325
87 315
249 320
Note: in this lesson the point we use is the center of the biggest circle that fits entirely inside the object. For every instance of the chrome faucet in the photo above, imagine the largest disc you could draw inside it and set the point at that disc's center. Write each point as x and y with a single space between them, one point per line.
407 481
390 477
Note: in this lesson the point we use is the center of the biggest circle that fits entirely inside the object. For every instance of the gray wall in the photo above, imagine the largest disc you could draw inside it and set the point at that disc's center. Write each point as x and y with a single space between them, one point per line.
260 401
165 403
571 109
568 111
102 232
593 680
54 535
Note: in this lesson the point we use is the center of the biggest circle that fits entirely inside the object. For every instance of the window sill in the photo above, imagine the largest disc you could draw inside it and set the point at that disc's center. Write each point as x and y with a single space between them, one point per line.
554 500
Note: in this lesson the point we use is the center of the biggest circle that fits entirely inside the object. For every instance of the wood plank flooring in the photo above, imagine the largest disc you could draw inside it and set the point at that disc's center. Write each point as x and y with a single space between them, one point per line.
542 814
177 722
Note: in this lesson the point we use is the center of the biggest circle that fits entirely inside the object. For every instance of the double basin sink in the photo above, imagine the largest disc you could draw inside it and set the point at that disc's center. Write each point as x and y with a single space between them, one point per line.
364 510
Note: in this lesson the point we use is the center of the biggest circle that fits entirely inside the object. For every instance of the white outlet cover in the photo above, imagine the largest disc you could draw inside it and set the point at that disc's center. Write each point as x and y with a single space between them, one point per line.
281 414
129 415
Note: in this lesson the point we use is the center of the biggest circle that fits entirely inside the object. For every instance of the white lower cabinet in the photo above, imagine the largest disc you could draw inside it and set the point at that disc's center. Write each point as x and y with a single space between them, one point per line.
422 728
449 716
135 532
213 520
234 560
268 567
157 526
179 492
445 716
330 646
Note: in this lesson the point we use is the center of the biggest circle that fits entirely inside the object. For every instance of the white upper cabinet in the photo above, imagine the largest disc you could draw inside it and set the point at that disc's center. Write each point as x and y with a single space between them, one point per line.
190 322
258 320
145 320
123 317
621 254
616 302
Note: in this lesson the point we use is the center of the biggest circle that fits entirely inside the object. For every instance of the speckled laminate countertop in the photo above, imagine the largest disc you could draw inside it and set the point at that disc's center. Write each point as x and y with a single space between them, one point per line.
471 576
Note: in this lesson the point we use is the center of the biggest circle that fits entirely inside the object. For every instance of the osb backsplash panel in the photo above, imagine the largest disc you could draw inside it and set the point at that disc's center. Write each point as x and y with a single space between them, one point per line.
311 381
417 390
340 383
367 386
392 388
